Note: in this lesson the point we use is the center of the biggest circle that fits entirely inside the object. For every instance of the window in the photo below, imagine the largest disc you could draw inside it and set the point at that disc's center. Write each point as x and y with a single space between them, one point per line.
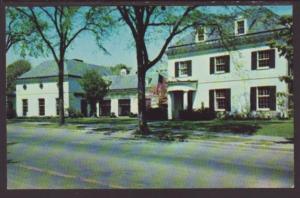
240 27
57 106
41 106
263 59
200 36
25 106
219 100
263 98
183 69
41 86
220 64
124 107
24 87
105 108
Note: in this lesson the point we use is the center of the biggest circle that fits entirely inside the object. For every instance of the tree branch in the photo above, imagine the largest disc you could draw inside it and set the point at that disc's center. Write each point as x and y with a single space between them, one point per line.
124 13
171 35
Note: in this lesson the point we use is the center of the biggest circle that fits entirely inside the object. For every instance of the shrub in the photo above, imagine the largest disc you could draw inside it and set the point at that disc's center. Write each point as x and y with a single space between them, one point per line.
73 113
132 115
201 114
157 114
113 115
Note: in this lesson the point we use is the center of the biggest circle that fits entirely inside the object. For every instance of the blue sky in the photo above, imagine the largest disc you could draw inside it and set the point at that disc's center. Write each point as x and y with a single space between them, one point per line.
120 45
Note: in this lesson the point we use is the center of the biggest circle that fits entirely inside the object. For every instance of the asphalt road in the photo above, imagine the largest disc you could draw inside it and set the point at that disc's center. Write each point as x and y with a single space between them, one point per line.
40 158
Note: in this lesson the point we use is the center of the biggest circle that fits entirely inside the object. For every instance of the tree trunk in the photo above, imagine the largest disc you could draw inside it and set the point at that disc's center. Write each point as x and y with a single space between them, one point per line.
142 125
61 92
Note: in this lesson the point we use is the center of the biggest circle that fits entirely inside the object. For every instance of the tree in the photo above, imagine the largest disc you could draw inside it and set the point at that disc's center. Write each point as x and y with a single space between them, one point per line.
57 28
141 19
13 71
283 41
95 88
17 29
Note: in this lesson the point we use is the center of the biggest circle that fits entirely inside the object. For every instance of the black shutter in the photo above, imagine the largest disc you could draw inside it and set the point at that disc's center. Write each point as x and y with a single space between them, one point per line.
254 60
272 98
253 98
212 100
189 68
212 65
228 100
272 58
176 69
227 62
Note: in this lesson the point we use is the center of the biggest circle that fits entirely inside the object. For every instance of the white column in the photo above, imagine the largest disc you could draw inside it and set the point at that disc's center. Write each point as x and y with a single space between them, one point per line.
170 105
115 106
185 100
97 108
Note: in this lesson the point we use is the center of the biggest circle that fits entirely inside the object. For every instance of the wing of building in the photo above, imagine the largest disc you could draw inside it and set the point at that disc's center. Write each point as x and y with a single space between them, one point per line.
237 74
37 90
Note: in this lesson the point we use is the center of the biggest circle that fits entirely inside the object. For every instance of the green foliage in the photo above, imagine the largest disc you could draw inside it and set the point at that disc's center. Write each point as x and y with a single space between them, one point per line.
13 71
73 113
95 88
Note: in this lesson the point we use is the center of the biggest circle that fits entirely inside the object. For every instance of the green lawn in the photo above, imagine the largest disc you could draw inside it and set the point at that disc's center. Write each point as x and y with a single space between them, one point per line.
282 128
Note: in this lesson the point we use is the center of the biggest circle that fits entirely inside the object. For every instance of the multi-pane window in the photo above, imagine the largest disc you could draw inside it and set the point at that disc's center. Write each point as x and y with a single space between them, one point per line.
25 106
220 99
263 97
240 27
263 59
183 69
57 106
105 108
41 106
200 34
124 107
220 64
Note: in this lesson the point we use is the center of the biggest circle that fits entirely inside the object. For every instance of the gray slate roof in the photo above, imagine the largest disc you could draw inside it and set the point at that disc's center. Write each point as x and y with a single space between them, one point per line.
77 68
259 19
72 67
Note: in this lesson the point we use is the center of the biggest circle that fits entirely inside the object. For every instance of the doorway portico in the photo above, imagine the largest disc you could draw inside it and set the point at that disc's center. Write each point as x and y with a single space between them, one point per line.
180 97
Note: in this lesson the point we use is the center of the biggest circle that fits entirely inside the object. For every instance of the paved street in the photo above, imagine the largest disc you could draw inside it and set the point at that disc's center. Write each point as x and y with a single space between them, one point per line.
40 158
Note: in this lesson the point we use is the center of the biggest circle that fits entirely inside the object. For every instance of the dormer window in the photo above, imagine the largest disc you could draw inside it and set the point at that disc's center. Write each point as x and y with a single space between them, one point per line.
200 36
240 27
123 72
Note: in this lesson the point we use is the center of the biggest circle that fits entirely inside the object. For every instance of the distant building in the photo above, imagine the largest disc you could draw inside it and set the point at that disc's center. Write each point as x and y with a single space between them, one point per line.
203 74
37 90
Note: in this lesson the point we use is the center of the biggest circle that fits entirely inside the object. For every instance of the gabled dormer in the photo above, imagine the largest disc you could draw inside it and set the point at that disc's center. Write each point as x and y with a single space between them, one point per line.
200 34
240 26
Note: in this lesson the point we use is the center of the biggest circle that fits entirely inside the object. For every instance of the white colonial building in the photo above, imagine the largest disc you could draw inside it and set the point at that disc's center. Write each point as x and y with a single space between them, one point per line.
37 90
242 77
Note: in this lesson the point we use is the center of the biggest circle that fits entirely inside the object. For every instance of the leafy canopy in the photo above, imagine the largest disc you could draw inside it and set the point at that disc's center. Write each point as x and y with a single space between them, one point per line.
13 71
94 86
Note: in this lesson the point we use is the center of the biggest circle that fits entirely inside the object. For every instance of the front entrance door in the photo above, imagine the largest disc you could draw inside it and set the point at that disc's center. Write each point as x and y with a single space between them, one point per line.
178 104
